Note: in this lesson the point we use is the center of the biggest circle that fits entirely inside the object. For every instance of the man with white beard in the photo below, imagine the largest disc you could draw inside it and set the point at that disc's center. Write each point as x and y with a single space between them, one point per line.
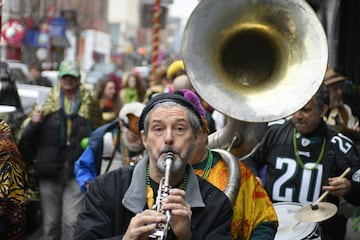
126 203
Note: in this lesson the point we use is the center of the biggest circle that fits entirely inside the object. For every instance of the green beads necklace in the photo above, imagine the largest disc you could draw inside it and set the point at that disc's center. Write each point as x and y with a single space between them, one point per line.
298 158
208 166
182 185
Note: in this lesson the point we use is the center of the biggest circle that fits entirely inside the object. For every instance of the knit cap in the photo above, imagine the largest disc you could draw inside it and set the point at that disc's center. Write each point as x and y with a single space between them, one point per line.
168 97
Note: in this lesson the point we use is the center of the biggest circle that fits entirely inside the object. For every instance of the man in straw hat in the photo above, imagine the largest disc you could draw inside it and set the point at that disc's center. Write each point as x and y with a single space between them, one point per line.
339 113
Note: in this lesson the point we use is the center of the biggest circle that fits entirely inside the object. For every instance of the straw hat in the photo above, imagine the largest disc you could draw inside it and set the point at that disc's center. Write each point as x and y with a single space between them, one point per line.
332 77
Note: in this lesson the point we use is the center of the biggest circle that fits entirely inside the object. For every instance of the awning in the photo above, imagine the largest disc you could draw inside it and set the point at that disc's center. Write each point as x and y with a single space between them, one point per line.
60 41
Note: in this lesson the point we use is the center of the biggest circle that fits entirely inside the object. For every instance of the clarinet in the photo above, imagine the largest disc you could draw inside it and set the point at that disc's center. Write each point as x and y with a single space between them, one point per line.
161 230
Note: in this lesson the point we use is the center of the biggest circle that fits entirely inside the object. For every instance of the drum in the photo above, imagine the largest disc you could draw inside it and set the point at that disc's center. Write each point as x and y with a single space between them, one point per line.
289 228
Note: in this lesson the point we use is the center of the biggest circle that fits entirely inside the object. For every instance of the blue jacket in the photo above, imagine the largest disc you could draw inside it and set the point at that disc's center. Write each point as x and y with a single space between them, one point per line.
87 167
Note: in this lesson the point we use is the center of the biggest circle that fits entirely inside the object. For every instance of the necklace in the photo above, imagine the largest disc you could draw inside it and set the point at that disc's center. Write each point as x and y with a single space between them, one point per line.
298 158
208 166
150 191
182 185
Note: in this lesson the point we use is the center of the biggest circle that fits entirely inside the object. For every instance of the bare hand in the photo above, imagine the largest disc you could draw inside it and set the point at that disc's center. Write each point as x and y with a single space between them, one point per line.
180 213
338 187
143 224
37 116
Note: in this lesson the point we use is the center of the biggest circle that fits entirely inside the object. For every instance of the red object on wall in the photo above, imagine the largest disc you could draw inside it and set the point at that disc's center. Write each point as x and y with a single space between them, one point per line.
13 32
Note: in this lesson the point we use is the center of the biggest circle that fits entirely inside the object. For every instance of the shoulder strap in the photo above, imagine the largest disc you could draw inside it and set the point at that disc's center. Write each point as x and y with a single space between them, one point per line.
112 155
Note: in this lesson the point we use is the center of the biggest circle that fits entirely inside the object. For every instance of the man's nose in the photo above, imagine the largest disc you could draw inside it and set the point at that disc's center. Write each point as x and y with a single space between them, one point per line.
169 138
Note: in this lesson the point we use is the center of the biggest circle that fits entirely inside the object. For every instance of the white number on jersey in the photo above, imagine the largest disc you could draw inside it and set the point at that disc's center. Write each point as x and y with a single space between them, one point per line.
307 194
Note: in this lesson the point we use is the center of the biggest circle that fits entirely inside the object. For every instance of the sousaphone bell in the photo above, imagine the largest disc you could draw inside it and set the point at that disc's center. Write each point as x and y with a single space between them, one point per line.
255 60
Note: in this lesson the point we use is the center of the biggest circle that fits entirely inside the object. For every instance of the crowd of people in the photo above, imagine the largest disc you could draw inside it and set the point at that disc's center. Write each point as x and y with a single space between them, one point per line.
133 162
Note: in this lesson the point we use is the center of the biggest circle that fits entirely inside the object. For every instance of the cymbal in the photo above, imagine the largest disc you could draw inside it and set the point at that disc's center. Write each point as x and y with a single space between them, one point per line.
324 211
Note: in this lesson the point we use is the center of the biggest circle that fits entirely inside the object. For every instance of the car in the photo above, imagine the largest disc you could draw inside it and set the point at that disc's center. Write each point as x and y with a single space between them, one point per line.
11 109
100 70
17 99
19 71
52 75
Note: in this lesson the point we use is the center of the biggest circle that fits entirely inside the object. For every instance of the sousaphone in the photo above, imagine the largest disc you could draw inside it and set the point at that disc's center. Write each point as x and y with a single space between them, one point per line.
255 61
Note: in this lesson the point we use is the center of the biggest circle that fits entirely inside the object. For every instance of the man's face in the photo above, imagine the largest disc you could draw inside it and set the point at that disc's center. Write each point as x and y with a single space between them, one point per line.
110 90
132 141
308 118
169 130
336 94
69 83
200 150
34 73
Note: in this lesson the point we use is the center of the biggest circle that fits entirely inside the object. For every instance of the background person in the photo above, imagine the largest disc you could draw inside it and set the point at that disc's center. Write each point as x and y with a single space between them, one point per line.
304 157
339 113
109 100
174 70
69 114
156 85
119 140
12 186
198 210
133 90
36 78
182 81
